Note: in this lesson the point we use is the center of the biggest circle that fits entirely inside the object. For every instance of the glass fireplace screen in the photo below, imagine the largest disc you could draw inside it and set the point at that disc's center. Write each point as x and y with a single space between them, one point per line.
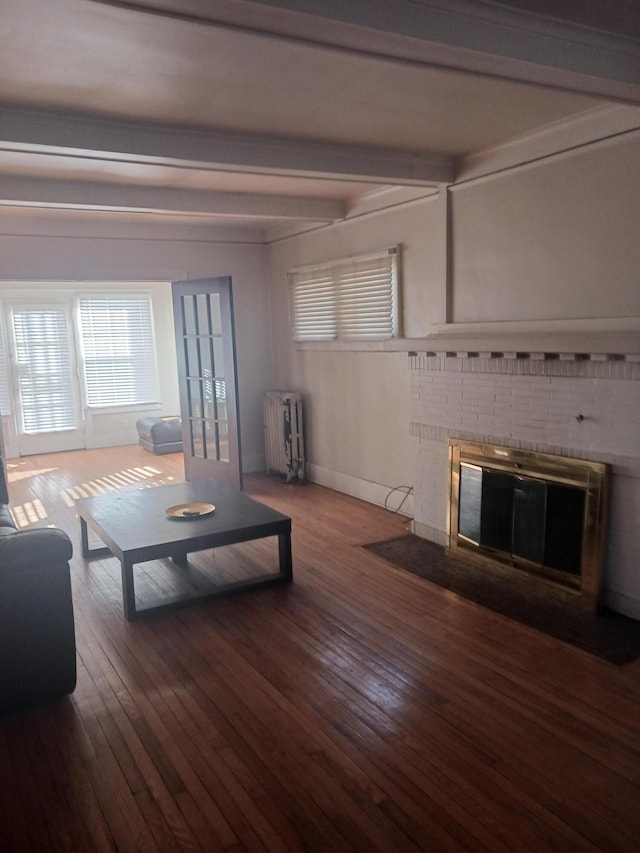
535 511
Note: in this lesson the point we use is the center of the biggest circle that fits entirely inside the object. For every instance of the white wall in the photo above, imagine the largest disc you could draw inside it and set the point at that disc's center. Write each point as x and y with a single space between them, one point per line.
37 249
357 400
554 239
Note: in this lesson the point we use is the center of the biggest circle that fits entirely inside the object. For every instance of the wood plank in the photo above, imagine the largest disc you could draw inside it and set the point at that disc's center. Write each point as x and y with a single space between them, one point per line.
359 708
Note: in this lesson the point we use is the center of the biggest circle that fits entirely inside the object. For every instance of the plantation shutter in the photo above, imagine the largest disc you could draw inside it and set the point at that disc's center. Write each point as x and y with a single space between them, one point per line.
44 357
118 350
351 299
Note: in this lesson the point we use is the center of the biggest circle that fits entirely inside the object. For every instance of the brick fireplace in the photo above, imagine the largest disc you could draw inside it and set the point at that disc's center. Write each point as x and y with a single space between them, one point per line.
571 405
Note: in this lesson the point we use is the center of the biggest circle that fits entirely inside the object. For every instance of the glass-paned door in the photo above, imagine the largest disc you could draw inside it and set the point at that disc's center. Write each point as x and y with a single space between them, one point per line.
205 341
43 363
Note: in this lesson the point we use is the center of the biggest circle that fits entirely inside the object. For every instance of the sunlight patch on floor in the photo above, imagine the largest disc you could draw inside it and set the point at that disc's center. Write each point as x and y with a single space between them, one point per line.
14 475
141 477
34 512
28 513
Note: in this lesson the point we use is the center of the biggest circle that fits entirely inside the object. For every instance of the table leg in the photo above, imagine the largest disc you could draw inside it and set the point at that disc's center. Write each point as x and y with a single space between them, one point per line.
284 550
84 537
86 550
128 591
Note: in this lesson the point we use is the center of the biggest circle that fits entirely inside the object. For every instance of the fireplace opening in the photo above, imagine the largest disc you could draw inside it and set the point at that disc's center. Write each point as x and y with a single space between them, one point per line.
536 512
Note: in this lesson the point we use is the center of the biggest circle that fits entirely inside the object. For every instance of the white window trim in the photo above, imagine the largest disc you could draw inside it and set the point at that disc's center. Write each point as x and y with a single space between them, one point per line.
114 295
6 393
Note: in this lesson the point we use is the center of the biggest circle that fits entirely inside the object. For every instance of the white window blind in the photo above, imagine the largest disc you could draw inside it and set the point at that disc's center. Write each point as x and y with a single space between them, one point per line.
351 299
5 398
43 354
118 350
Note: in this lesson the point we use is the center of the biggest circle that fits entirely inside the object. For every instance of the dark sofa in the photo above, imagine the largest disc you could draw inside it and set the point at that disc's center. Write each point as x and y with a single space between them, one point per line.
37 629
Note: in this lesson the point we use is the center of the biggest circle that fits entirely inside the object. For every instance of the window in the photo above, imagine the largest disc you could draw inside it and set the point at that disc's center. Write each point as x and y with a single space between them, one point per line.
354 299
116 335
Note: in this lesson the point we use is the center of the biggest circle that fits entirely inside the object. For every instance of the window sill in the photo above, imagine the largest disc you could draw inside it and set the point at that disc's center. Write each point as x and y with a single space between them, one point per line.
342 346
124 408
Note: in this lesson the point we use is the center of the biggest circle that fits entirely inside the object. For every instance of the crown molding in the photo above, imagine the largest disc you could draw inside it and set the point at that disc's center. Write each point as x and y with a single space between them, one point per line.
601 125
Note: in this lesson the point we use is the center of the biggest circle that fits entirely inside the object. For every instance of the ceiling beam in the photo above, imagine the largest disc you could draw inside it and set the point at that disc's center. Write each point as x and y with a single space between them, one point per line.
78 136
480 37
85 195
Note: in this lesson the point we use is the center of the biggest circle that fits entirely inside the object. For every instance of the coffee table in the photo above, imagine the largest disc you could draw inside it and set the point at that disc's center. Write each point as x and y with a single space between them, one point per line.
134 527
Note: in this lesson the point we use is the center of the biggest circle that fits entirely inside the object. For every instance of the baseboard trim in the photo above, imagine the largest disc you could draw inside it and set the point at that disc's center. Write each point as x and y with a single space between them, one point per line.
621 603
374 493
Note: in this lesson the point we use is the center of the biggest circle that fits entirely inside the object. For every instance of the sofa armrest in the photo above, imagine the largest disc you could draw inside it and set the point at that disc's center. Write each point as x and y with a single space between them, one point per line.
37 629
31 549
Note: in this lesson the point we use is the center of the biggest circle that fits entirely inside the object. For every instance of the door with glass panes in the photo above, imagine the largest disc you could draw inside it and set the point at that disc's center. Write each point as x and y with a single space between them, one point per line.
205 342
43 369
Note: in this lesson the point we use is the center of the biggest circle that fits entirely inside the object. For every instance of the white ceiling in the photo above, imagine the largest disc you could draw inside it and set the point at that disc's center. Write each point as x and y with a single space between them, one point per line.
258 113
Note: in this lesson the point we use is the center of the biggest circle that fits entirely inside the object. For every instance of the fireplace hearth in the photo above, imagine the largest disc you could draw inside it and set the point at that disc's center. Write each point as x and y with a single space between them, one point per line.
535 512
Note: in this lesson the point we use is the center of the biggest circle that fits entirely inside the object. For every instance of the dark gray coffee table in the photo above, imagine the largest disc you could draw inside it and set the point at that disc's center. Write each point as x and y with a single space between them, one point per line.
134 527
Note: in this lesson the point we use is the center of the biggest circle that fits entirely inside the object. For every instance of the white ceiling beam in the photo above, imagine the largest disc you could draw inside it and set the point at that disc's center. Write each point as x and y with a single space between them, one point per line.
483 38
85 195
77 136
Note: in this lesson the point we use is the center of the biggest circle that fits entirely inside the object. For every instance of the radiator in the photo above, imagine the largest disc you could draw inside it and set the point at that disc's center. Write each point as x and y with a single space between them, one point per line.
283 434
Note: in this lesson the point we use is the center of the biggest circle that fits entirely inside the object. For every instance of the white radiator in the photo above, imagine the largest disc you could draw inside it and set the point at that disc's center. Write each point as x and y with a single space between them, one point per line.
283 434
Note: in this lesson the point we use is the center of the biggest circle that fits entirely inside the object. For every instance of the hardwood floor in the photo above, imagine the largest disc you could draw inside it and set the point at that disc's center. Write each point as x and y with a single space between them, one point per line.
360 708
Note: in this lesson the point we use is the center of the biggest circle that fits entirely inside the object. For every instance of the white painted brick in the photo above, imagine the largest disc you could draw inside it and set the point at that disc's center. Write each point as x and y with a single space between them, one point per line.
521 389
480 380
503 393
521 406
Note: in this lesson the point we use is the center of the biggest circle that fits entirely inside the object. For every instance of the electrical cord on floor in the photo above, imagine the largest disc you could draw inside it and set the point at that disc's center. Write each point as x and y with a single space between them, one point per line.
408 491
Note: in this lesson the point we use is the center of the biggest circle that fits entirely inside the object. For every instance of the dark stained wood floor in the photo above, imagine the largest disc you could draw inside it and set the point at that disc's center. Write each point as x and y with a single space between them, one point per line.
360 708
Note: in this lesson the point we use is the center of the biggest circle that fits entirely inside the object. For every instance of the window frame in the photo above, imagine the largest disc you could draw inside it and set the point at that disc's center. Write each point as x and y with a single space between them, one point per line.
6 393
153 397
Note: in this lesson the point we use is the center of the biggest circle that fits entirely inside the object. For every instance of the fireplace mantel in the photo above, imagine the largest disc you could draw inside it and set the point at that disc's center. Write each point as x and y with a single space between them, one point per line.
610 336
